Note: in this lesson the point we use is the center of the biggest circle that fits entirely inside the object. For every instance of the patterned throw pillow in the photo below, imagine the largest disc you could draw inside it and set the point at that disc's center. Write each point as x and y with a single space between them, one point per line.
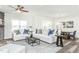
50 32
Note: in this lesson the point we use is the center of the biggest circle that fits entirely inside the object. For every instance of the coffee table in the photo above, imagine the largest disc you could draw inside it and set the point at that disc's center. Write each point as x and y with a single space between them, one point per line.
33 40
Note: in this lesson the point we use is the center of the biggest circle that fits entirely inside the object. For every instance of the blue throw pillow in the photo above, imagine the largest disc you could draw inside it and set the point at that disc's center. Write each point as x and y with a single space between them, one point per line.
50 32
25 31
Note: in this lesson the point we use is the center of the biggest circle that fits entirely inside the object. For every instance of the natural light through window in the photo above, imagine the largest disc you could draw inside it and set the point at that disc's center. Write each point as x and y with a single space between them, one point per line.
19 24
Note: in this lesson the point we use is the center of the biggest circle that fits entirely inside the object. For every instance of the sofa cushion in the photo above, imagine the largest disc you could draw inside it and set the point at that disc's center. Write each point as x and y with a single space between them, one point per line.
50 32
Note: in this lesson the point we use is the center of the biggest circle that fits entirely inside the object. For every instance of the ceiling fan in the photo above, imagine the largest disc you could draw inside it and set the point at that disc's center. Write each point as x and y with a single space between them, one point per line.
19 8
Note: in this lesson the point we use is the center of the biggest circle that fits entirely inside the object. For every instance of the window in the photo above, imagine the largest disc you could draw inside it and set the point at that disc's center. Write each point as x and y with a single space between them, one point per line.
19 24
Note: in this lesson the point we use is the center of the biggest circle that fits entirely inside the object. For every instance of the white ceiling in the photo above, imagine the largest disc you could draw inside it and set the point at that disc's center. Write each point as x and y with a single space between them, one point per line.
46 10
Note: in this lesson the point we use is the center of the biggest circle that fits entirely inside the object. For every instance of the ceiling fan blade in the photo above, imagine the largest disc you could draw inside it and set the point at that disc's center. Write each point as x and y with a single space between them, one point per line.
11 6
24 10
19 6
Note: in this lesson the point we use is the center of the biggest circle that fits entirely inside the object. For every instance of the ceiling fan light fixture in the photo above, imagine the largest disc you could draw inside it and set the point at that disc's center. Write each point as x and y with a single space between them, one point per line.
18 11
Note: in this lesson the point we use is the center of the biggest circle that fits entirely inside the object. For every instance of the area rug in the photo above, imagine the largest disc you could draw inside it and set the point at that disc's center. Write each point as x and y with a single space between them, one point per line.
42 48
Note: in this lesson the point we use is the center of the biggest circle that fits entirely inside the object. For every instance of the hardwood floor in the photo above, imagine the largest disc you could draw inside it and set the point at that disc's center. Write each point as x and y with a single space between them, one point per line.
70 46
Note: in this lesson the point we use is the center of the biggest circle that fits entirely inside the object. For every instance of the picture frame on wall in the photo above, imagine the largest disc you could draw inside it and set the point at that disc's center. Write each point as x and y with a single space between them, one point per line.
68 24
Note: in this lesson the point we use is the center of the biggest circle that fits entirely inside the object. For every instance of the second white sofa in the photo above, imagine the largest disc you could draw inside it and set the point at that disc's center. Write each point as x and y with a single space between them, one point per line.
45 38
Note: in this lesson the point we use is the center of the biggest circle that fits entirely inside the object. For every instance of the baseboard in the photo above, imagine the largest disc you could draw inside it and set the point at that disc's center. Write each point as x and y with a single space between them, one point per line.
8 39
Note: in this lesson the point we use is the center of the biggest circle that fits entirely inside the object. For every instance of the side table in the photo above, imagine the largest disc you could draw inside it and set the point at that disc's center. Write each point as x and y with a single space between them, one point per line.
59 41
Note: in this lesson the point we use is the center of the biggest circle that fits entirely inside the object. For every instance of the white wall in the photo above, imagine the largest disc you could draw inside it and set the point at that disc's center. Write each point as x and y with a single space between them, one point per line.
32 19
38 21
70 18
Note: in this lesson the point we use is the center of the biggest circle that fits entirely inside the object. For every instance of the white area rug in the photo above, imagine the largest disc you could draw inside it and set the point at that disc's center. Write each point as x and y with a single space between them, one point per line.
42 48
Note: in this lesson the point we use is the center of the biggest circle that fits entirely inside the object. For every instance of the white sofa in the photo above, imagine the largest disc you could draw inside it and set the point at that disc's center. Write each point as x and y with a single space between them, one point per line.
20 36
45 37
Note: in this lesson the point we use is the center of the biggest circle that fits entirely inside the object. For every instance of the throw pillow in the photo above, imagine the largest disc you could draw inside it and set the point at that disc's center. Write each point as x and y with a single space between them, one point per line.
50 32
38 31
17 32
25 31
